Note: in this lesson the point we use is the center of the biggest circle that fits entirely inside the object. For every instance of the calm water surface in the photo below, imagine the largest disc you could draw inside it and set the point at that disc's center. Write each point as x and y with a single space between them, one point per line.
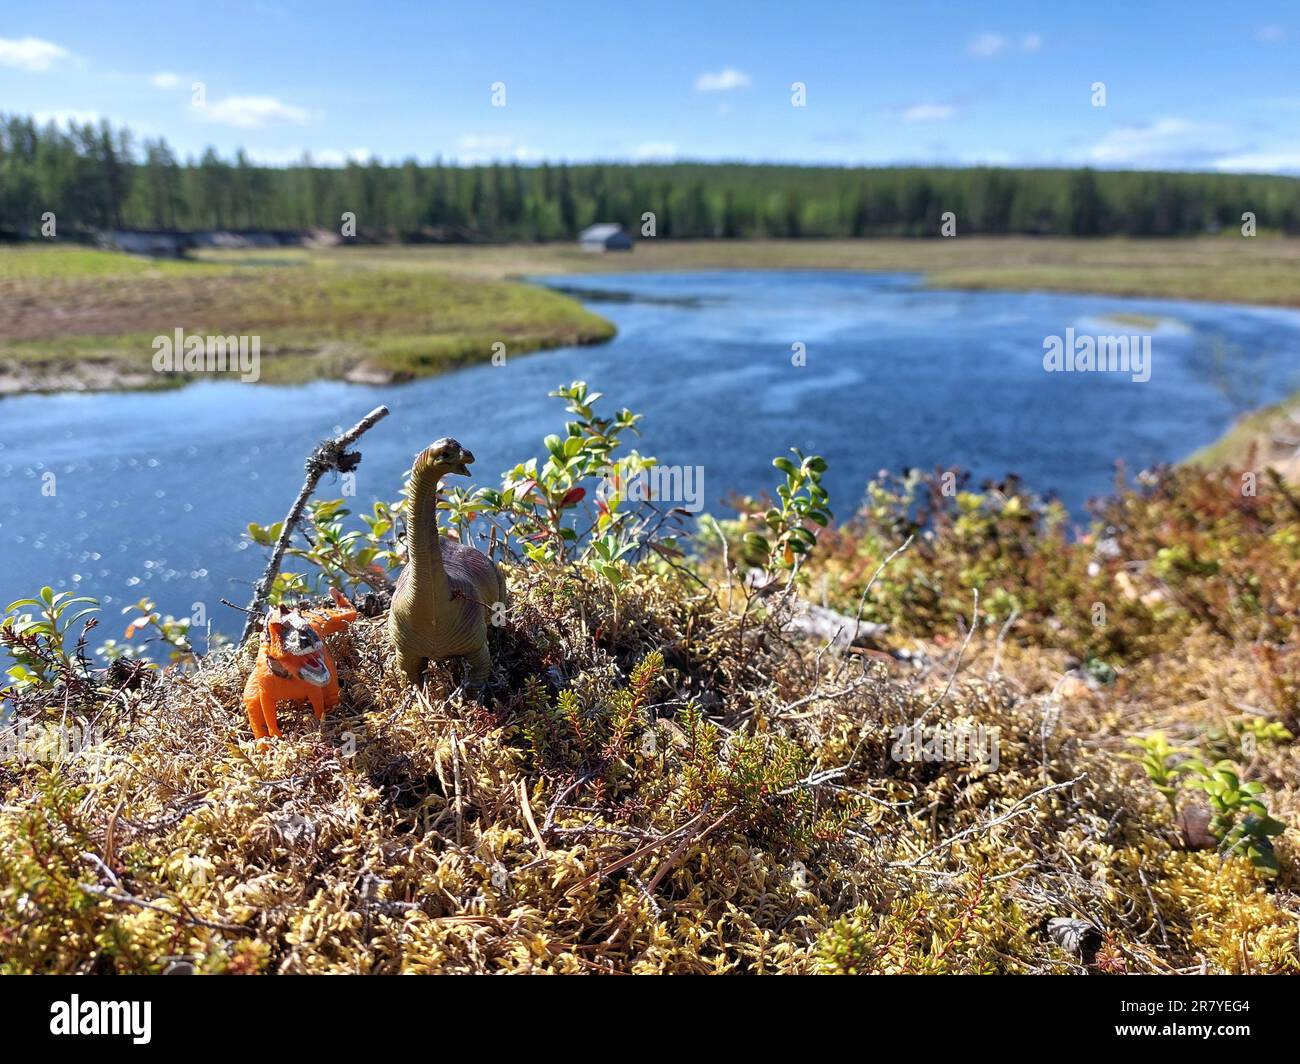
154 489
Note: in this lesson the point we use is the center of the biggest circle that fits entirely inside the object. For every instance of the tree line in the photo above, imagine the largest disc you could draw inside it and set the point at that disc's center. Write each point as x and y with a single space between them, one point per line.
96 177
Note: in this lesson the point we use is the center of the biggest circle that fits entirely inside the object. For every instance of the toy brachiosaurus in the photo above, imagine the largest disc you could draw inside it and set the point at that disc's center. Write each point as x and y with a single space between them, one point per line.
441 602
294 664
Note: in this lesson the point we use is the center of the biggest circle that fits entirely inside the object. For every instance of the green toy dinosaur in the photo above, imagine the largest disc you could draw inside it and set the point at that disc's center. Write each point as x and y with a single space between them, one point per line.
441 602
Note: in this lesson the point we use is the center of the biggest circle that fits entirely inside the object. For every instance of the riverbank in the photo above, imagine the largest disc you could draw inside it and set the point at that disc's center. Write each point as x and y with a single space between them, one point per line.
85 320
1269 437
82 320
1223 269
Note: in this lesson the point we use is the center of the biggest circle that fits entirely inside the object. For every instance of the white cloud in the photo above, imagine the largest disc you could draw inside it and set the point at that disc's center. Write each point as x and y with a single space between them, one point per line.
928 112
723 81
31 53
494 147
485 142
655 149
165 79
252 112
1165 142
987 45
1270 34
1179 144
1260 162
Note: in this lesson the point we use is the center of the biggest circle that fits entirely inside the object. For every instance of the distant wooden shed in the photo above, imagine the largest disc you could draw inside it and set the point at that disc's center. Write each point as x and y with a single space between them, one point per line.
605 236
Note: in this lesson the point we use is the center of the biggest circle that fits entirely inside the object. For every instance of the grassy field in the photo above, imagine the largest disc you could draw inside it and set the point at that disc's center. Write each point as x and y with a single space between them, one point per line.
1226 269
86 319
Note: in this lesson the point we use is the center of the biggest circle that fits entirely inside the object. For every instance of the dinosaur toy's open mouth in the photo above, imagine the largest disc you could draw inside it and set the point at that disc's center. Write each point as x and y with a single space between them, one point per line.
314 670
463 467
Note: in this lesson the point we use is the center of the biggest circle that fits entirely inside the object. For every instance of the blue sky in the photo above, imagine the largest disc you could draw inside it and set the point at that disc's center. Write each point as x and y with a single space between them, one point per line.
1188 85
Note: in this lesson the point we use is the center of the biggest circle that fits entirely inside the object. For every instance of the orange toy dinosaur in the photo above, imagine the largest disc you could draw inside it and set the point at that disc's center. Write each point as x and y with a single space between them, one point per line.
294 664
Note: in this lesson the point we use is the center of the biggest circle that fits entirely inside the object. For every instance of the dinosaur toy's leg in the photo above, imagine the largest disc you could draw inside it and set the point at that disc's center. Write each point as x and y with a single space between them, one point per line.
412 667
480 667
317 698
268 714
253 706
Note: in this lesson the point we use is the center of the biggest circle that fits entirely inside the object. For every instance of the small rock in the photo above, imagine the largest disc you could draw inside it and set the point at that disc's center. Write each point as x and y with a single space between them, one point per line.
1075 936
1194 822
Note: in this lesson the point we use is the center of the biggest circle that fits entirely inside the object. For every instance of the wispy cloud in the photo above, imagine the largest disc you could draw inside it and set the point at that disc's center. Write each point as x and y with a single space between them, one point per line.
655 149
31 53
987 45
1165 142
165 79
1180 144
494 147
928 112
724 80
1282 162
253 112
1270 34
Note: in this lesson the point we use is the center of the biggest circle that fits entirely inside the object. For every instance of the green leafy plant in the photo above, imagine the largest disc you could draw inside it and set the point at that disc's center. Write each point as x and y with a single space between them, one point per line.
537 504
38 642
786 536
168 631
1239 819
1241 739
1264 731
1160 762
574 505
606 553
353 559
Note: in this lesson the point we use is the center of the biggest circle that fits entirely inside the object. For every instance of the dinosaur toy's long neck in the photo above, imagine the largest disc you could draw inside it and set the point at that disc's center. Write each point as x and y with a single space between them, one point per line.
428 577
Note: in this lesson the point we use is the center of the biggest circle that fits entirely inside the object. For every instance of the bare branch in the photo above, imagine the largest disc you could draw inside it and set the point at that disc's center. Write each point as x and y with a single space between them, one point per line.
328 455
974 621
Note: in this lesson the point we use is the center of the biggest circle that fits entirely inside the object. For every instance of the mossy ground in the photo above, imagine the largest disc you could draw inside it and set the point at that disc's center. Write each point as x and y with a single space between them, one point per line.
673 780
